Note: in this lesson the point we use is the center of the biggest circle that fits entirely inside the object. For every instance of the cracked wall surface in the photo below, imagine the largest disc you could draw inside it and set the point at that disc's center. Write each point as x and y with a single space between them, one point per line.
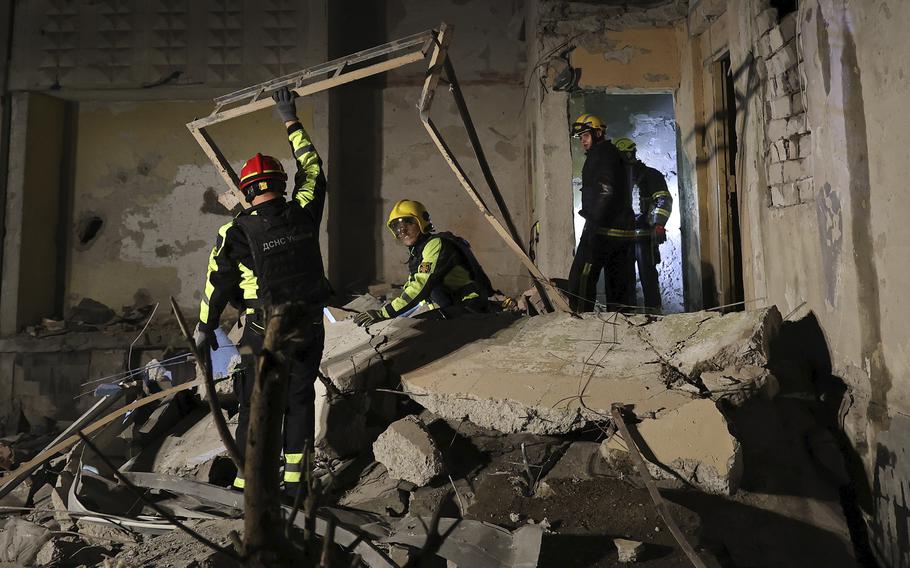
834 249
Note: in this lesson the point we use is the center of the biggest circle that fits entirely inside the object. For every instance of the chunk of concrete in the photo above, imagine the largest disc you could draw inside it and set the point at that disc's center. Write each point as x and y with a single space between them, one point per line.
692 442
553 373
377 492
628 550
186 454
408 451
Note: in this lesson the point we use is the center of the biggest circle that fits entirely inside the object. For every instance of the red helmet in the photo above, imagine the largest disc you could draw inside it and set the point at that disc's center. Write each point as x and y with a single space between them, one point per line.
264 169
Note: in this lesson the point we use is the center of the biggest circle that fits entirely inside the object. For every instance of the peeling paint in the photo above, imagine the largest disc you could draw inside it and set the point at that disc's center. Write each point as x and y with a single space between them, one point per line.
830 224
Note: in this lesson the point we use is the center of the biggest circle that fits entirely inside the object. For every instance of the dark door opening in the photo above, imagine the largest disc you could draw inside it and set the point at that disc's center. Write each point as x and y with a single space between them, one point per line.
728 289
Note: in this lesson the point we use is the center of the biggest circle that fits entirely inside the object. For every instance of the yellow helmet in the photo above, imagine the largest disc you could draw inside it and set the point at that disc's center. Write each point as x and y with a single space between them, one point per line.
586 123
413 209
625 145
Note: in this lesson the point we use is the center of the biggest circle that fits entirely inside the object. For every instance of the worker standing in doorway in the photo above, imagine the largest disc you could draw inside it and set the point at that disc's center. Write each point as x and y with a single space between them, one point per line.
655 206
607 239
443 270
268 255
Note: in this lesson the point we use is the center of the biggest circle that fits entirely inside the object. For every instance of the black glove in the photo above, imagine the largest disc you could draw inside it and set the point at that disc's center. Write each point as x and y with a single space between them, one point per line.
205 339
368 317
284 100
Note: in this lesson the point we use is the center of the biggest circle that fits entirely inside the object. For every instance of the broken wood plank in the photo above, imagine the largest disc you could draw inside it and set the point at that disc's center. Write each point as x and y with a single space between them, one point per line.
656 497
436 66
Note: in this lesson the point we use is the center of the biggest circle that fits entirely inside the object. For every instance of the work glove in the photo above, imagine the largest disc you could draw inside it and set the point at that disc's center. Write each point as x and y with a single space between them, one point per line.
368 317
205 339
284 100
660 234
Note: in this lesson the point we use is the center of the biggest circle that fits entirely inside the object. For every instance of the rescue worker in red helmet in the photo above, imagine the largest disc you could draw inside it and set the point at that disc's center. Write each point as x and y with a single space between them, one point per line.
609 232
444 273
267 255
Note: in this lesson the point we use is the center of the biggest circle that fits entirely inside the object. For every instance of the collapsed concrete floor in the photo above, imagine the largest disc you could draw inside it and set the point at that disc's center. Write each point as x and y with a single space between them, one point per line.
505 419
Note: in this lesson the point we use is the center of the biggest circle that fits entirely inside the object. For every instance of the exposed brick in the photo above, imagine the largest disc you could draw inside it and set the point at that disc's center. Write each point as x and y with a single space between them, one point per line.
778 151
791 81
765 20
783 59
784 195
777 129
797 103
764 47
806 190
783 32
796 125
794 170
782 107
805 146
775 174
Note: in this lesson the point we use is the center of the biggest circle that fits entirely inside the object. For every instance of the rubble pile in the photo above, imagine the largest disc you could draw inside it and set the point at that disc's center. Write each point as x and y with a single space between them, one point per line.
499 425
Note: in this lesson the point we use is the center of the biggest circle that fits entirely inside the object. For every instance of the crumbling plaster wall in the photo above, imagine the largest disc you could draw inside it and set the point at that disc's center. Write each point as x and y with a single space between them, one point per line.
618 50
838 247
144 176
489 58
139 72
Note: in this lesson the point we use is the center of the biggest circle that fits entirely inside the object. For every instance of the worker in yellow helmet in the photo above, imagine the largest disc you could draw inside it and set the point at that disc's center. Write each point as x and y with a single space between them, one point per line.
609 232
655 205
443 270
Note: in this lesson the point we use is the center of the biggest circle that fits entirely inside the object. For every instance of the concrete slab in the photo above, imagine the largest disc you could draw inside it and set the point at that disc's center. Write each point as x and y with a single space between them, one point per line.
408 451
692 442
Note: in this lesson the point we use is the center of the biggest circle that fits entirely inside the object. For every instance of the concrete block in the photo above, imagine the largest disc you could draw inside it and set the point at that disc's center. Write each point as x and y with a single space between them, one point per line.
775 174
791 81
794 170
777 152
408 451
781 107
806 190
796 103
777 129
765 20
784 195
694 442
628 550
578 463
782 33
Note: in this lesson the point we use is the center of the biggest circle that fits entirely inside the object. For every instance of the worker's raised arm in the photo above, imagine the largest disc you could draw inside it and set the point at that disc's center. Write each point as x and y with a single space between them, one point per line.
309 181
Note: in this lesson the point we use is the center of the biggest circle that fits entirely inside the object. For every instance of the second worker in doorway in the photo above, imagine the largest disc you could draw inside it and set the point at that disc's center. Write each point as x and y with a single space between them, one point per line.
655 206
609 232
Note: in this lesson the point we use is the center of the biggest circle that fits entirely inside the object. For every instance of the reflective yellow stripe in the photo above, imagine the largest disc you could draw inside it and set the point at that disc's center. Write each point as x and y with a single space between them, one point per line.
293 459
621 233
292 476
308 160
239 483
664 212
248 282
212 267
657 194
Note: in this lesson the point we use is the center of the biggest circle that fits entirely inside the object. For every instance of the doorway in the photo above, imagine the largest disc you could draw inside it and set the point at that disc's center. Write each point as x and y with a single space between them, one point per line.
723 283
649 120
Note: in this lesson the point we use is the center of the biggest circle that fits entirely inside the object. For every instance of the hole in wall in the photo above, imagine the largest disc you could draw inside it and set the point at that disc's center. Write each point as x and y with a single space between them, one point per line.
88 229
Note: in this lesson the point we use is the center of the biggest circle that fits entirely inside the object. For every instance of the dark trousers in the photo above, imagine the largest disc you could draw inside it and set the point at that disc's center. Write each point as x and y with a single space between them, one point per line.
612 255
647 258
299 416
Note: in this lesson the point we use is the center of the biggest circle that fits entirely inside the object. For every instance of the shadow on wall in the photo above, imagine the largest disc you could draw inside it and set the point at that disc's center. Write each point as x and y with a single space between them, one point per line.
795 444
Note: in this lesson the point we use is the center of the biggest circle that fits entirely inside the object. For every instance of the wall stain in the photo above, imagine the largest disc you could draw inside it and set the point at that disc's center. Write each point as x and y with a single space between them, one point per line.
831 233
656 77
211 205
824 49
861 232
506 150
